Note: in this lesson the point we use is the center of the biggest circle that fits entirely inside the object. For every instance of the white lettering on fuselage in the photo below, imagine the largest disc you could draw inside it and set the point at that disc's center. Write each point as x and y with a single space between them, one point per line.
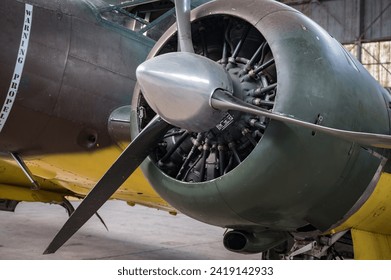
13 89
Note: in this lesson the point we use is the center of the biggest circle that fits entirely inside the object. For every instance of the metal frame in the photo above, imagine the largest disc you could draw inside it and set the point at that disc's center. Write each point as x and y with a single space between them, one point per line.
127 4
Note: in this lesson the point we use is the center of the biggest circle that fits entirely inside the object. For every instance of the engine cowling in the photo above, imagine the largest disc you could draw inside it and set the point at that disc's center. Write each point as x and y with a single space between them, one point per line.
261 177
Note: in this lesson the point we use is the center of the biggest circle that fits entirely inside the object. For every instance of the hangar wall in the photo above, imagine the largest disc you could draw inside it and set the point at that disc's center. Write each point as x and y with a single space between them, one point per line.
363 26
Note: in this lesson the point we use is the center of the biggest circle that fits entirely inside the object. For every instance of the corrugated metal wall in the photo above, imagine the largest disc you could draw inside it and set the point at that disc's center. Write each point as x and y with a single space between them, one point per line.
339 18
364 26
377 20
348 20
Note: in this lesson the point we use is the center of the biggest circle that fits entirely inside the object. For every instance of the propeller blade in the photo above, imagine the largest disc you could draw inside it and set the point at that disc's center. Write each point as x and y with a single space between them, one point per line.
118 173
223 100
182 10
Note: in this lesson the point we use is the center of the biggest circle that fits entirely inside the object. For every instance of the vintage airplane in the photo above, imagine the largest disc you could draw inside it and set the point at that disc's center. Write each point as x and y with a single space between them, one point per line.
248 116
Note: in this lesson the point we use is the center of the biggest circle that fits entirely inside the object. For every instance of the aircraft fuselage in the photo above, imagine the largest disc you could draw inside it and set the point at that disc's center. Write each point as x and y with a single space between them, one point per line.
63 73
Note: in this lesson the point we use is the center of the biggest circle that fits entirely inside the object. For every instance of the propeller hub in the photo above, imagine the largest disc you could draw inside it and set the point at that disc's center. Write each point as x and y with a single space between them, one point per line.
179 87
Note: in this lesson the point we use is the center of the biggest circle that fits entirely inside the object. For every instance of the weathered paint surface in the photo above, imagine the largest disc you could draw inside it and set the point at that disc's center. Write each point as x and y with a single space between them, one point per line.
371 246
371 234
377 209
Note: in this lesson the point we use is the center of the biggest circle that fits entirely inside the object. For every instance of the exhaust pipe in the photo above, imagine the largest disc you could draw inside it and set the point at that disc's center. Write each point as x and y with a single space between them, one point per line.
253 242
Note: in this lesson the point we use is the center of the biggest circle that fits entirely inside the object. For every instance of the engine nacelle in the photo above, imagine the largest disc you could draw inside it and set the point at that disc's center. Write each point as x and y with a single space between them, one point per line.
287 178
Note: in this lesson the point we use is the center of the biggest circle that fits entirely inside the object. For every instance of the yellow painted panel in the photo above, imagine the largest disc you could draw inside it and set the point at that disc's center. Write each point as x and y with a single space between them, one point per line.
375 214
11 174
371 246
74 174
25 194
79 172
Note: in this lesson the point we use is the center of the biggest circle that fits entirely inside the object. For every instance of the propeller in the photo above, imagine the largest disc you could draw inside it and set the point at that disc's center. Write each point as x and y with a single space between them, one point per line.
131 157
201 88
122 168
188 91
223 100
182 10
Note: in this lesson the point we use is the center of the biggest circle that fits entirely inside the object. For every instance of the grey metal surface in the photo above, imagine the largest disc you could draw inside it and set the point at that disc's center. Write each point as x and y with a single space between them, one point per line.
119 125
182 9
178 87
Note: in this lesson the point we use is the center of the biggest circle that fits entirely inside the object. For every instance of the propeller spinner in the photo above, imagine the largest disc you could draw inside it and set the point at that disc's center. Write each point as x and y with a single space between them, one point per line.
179 87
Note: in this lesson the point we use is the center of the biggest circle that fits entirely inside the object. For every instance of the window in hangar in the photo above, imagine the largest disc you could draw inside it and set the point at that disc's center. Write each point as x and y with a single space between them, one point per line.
376 58
147 17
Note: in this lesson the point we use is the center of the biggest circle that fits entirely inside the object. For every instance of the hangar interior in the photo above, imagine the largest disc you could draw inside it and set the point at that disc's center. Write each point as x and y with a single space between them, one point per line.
362 26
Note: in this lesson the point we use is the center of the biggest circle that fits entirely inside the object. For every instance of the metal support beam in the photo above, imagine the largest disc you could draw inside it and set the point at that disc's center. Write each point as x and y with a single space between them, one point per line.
25 170
361 29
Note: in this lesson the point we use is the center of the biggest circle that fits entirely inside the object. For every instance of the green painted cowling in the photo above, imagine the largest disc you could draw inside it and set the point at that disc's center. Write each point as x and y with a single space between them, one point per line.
294 179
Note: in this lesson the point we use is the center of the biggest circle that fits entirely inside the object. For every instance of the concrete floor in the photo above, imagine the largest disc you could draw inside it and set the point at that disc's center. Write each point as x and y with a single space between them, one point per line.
135 233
